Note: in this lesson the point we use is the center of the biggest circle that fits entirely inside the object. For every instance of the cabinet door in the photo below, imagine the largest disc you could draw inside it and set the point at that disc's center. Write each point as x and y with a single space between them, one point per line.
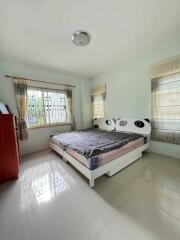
9 159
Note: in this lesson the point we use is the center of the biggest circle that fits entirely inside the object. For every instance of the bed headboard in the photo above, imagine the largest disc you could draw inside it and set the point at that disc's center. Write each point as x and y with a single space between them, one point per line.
107 124
141 126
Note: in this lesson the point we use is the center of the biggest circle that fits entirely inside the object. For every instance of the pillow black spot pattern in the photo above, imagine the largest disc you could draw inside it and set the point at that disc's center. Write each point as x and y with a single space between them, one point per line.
147 120
123 123
108 122
139 124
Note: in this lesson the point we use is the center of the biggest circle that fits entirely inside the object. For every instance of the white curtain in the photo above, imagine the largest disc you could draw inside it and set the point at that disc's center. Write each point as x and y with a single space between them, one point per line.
69 108
98 98
165 86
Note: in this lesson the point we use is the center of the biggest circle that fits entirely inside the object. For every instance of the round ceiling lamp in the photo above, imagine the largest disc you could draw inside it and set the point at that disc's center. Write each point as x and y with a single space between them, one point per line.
81 38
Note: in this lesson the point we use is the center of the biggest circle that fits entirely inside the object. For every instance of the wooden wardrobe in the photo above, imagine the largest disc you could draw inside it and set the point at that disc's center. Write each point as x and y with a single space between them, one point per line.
9 148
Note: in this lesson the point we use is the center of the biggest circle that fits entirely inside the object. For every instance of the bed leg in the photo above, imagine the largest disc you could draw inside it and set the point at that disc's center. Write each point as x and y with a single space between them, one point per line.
64 159
91 182
109 174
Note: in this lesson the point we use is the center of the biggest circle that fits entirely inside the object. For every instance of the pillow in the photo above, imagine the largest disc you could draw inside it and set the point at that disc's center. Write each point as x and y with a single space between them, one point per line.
104 123
141 126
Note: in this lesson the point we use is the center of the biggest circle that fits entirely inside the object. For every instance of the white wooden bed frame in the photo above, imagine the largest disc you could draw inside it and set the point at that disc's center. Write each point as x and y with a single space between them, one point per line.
112 167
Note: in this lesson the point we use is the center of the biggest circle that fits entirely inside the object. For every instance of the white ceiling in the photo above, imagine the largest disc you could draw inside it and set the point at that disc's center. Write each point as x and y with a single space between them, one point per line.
39 31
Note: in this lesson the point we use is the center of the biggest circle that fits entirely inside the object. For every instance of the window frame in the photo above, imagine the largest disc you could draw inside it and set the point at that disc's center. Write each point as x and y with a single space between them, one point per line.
46 125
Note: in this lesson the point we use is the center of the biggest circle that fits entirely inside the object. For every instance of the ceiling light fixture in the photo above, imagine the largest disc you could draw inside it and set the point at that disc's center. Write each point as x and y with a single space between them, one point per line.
81 38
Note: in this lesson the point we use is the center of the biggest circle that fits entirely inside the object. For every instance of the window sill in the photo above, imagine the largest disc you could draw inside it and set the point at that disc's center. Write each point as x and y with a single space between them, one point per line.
49 126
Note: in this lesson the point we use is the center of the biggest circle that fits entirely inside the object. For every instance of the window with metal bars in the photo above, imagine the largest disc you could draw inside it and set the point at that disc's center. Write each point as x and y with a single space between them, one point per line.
46 107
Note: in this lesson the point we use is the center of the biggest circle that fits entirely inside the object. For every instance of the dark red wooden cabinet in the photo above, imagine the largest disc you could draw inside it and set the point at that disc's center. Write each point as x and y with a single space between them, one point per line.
9 150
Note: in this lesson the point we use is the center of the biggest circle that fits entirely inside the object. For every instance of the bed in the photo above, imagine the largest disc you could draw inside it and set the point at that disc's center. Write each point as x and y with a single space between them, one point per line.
106 148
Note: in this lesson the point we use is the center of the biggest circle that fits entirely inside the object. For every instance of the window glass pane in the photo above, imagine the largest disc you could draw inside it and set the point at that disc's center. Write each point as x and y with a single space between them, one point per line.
55 107
46 107
35 108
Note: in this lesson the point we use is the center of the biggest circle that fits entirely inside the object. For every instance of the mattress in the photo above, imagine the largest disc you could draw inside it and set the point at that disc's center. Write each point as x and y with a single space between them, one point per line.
108 156
94 148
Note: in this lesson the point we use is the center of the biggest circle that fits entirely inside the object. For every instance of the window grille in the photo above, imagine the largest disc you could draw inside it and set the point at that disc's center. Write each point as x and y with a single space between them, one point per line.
46 107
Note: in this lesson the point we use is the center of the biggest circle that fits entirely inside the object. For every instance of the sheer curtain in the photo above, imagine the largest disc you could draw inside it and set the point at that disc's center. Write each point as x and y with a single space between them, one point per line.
98 98
165 86
70 116
21 98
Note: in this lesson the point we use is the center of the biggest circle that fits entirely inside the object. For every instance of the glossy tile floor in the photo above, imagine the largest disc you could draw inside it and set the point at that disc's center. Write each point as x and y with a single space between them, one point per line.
52 201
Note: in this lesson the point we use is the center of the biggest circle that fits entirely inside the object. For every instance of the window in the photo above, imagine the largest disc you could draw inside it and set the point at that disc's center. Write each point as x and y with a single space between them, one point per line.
98 106
98 96
46 107
166 108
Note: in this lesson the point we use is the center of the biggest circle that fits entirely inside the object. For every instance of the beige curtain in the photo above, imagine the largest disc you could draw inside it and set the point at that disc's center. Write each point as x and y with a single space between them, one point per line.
70 116
98 99
165 89
166 67
21 97
101 89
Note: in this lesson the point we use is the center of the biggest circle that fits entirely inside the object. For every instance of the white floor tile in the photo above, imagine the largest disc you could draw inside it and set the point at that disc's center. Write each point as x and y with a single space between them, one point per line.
106 234
52 201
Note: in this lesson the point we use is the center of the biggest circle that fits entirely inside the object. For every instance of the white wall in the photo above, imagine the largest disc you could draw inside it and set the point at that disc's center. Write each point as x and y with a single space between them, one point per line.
86 106
129 89
38 138
128 94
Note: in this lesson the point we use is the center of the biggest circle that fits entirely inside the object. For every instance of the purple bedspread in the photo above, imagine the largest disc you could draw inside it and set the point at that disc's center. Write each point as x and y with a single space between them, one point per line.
92 142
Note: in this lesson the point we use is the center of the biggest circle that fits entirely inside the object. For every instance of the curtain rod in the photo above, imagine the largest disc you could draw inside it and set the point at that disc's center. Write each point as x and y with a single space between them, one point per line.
28 79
